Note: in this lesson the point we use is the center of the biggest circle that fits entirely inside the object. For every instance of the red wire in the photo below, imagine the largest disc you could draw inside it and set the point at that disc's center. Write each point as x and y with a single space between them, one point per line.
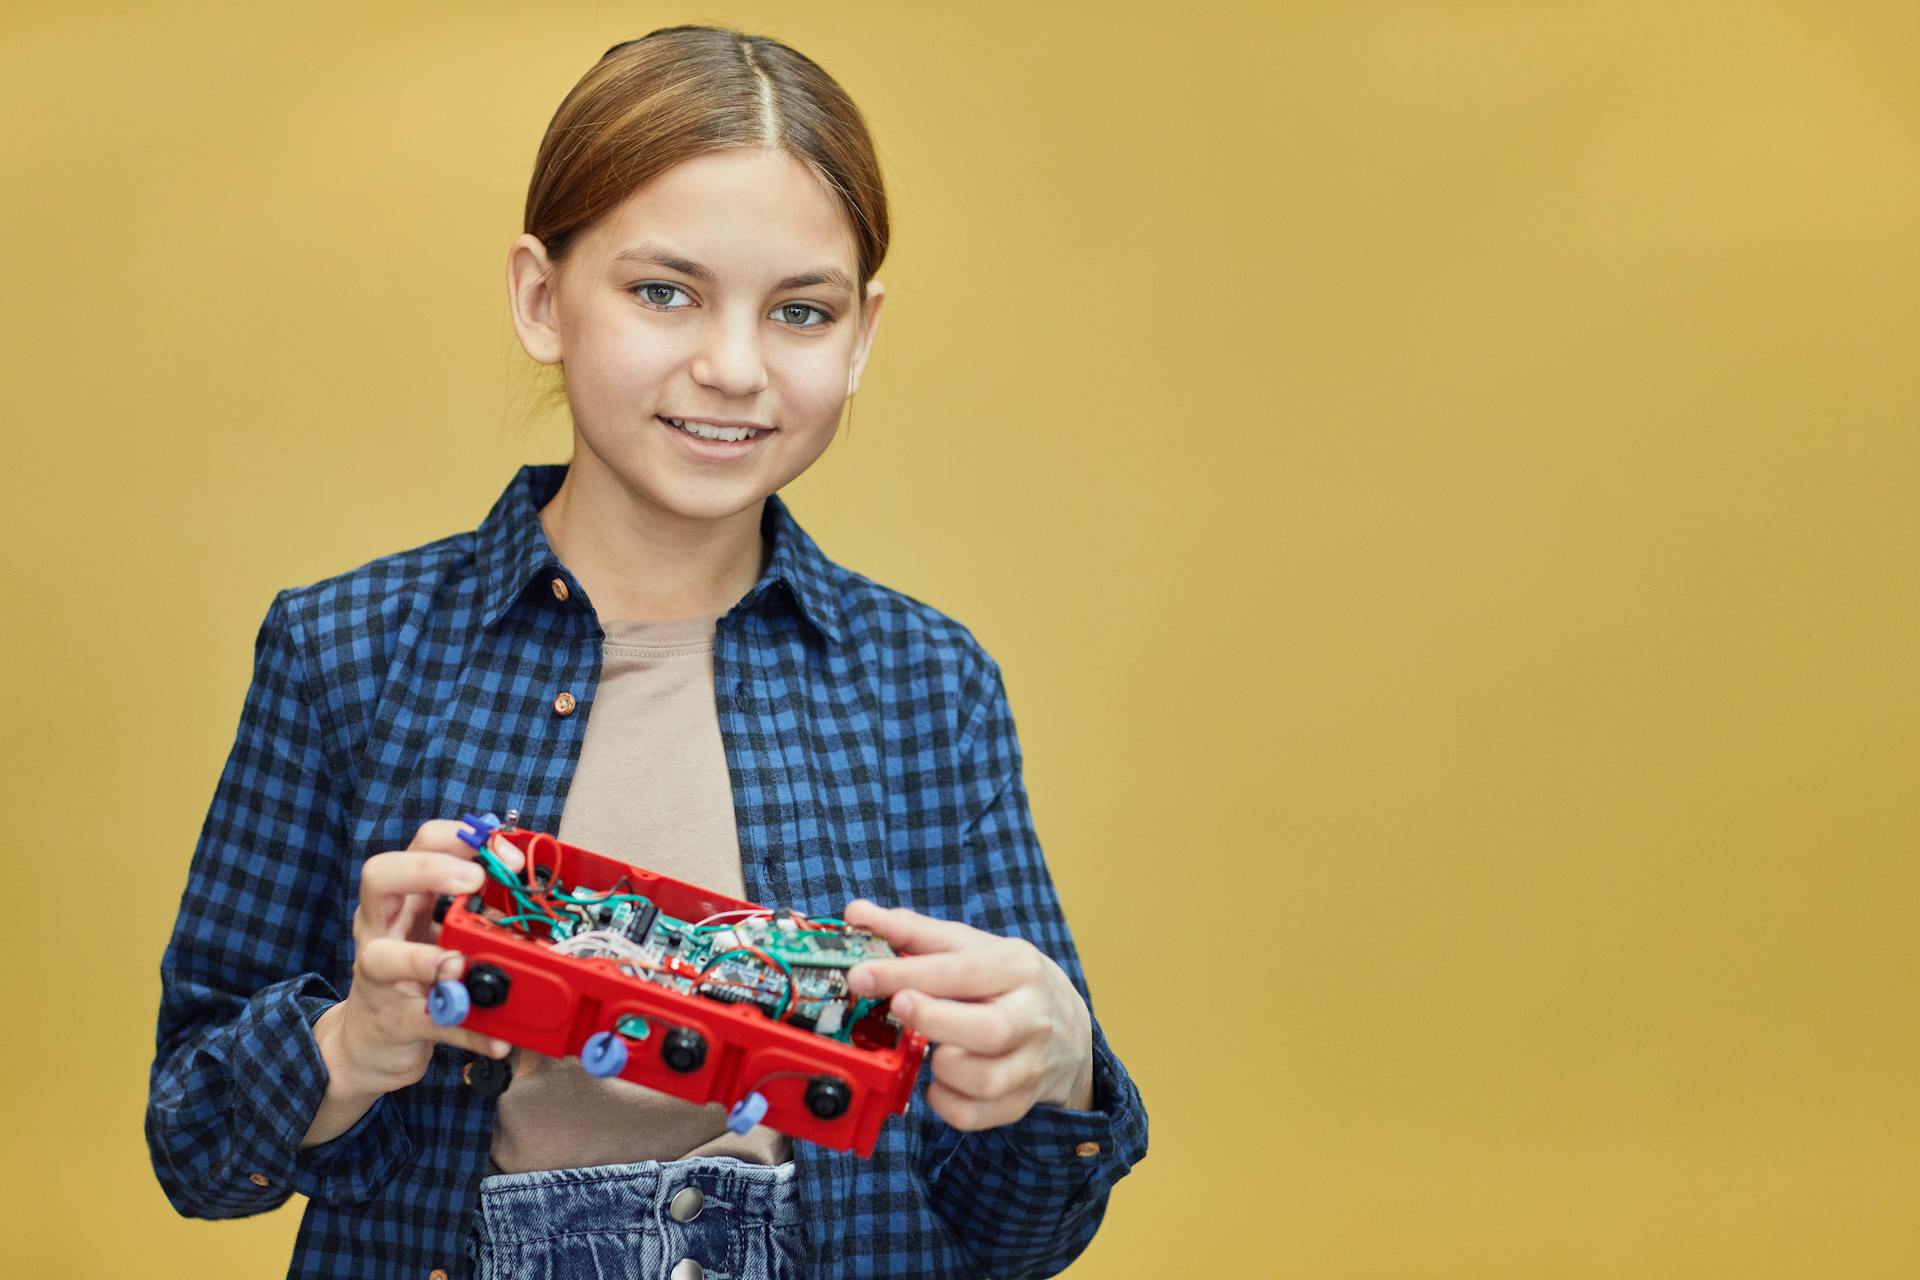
533 847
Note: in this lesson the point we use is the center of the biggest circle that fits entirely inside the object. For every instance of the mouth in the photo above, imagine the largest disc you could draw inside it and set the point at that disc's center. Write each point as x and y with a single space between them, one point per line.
709 441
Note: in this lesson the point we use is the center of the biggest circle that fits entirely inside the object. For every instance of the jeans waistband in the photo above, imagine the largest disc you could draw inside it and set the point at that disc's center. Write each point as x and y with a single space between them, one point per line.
516 1208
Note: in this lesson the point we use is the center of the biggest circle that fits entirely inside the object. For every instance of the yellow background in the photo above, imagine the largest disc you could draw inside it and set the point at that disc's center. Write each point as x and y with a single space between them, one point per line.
1440 479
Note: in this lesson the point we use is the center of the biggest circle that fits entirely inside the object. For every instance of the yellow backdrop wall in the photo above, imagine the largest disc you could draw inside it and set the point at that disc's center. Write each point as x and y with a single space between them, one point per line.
1440 480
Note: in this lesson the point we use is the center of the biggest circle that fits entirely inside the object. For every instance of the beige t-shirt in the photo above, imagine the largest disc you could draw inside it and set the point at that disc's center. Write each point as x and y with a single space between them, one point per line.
652 789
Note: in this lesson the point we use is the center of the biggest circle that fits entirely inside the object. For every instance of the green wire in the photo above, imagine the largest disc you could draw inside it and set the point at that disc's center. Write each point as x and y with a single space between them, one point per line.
544 919
498 870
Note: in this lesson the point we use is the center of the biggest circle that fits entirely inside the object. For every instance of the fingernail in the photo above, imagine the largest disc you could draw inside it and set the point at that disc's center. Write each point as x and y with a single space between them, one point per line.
471 877
861 980
902 1004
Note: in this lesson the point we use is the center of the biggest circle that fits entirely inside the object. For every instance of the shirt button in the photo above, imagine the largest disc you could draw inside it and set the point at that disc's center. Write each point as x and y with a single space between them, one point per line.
563 703
1086 1149
559 589
686 1204
687 1269
257 1179
436 1274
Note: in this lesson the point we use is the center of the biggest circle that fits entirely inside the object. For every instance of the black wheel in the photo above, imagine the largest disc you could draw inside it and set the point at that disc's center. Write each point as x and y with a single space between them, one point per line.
488 985
683 1049
488 1077
828 1097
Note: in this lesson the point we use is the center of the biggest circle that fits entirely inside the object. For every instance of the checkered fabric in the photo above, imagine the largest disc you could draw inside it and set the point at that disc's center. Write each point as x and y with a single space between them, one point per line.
871 752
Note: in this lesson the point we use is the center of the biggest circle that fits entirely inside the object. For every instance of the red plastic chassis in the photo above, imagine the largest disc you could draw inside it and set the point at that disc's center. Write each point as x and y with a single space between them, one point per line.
554 1002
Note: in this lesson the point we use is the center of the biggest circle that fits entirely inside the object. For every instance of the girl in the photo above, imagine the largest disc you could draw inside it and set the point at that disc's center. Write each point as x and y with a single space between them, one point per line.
643 652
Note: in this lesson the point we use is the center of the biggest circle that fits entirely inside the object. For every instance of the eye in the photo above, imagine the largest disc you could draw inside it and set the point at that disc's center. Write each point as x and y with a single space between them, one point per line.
787 310
646 292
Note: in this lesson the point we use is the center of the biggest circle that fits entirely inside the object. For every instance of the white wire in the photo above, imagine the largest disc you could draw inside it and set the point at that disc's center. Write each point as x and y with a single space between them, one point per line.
605 942
753 912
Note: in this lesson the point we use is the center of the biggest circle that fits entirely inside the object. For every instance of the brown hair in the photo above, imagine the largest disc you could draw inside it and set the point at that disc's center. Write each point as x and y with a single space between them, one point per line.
680 92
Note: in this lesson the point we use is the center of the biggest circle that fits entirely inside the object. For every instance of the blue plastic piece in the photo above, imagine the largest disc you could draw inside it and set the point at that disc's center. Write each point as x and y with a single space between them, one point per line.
747 1112
479 829
448 1003
605 1054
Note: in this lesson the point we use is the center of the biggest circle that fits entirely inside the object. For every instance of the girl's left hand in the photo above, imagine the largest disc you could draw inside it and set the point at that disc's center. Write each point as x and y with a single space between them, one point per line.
1012 1032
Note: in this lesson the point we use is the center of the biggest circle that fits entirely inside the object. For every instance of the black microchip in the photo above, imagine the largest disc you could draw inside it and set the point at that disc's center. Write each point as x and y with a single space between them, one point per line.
830 942
641 921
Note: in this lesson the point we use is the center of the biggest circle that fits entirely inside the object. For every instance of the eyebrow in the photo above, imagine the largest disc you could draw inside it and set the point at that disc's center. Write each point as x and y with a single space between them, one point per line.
653 255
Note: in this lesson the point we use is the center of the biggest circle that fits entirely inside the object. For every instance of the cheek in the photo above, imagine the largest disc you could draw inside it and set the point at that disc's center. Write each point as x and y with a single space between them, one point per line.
813 384
613 377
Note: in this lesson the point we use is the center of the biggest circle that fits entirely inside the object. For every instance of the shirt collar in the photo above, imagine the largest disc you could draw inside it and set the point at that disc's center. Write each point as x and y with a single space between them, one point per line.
512 550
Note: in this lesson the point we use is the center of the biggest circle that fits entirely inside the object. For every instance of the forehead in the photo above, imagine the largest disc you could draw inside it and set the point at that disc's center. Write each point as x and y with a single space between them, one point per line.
745 213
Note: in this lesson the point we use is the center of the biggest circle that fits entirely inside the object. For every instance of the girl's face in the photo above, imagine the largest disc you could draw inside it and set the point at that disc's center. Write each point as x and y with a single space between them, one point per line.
723 291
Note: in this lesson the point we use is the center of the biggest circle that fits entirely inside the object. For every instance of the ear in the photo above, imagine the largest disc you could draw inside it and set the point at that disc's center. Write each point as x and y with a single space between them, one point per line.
531 276
870 316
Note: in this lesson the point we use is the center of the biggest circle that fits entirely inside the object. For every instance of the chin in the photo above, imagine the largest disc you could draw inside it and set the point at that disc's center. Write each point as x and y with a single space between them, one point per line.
695 501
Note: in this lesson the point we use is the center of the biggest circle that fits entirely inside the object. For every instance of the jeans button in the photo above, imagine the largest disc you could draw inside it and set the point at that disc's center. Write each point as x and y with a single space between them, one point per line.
686 1204
687 1269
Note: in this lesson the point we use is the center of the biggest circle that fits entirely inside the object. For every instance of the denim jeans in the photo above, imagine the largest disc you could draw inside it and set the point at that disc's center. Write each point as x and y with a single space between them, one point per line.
639 1222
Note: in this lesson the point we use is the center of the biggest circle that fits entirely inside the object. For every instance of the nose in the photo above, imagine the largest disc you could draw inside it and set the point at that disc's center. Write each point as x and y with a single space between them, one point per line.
729 359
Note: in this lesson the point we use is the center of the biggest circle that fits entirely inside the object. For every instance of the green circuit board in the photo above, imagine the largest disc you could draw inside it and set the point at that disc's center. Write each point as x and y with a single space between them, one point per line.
790 966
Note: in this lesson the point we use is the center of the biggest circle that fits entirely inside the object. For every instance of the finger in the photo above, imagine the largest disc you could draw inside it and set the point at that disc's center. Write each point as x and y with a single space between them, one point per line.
403 872
391 962
974 974
395 888
987 1077
471 1041
993 1027
967 1113
408 968
908 930
442 835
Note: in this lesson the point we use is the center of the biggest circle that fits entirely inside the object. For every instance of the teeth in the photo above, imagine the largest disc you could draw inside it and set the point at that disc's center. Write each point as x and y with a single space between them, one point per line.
706 432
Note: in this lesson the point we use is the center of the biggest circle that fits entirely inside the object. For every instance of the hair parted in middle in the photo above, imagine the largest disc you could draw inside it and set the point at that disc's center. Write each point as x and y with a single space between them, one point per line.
683 91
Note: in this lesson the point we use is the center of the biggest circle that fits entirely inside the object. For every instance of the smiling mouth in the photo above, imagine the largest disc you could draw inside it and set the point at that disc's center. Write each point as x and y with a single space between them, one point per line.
704 431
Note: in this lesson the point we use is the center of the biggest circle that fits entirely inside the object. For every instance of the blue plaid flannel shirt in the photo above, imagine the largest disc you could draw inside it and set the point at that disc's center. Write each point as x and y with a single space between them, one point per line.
871 752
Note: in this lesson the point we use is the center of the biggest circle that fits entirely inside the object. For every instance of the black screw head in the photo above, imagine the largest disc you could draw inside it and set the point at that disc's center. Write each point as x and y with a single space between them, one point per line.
488 985
683 1049
828 1097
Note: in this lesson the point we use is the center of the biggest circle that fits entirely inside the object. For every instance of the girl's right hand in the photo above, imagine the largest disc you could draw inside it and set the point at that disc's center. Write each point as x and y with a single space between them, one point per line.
380 1038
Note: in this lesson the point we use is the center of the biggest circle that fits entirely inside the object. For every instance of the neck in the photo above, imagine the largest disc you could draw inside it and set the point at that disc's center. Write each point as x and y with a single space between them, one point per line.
641 563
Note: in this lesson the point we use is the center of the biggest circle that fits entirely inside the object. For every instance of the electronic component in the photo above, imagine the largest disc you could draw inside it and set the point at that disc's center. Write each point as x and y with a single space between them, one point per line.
647 978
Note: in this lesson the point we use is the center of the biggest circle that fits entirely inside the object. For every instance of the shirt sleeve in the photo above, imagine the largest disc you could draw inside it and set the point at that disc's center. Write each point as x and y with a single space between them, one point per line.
1024 1198
237 1075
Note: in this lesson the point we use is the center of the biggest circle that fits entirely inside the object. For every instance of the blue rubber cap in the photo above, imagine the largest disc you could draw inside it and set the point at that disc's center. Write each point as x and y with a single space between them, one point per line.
479 829
448 1003
605 1054
747 1112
